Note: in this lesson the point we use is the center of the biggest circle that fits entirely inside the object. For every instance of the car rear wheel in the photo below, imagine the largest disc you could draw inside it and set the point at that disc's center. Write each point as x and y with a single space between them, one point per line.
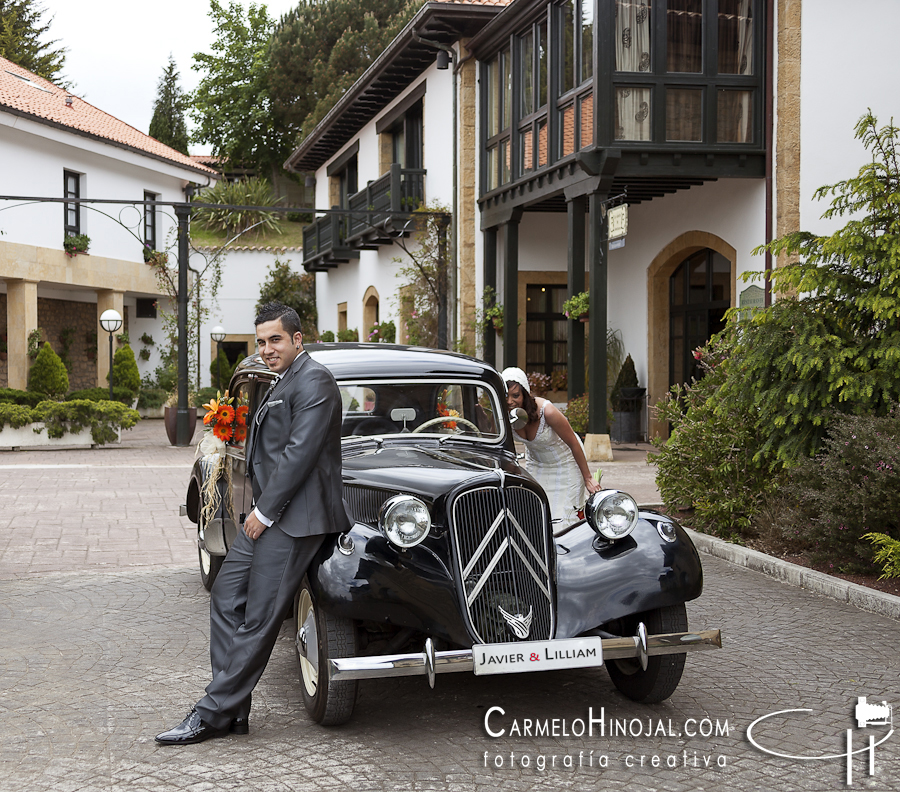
663 672
320 637
209 564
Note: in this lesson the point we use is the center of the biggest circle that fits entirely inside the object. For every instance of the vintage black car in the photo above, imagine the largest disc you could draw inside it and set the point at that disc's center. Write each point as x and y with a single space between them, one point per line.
453 563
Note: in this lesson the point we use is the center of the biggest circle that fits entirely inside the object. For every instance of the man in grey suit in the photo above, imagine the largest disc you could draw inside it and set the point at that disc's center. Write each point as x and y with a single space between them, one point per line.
294 464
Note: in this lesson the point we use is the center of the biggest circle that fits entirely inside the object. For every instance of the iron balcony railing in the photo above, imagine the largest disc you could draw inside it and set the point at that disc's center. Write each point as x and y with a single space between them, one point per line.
378 214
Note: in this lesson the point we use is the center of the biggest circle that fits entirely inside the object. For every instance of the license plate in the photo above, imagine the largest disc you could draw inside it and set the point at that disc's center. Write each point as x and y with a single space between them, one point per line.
515 658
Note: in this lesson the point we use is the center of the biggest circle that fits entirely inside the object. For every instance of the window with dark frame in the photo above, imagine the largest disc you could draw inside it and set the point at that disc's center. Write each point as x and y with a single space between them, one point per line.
546 345
71 211
150 220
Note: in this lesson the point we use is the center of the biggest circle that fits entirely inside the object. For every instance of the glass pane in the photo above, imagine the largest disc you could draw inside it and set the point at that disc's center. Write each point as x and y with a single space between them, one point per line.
568 130
526 82
684 114
527 138
677 346
587 39
542 64
504 161
721 278
684 36
632 120
567 75
398 145
677 286
542 143
734 122
537 300
735 37
557 298
633 35
506 89
697 268
587 121
493 109
492 169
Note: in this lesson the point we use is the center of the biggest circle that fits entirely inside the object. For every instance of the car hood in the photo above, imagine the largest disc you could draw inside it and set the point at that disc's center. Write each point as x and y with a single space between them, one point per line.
427 470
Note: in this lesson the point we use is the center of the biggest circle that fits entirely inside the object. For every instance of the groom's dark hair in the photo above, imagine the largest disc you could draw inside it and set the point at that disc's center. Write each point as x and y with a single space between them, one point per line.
290 321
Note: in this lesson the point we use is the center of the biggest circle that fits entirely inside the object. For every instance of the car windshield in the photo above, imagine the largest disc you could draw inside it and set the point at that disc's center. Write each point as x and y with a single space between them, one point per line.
436 408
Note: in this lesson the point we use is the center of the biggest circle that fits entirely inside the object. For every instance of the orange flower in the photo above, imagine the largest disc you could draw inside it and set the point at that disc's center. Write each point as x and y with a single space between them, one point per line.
241 414
226 413
240 433
210 417
222 431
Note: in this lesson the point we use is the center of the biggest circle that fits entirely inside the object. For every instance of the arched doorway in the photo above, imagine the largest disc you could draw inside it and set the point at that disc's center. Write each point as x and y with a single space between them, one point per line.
660 301
699 296
370 313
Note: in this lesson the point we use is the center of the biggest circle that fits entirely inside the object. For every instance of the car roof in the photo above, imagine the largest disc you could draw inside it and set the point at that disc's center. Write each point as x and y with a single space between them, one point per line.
361 360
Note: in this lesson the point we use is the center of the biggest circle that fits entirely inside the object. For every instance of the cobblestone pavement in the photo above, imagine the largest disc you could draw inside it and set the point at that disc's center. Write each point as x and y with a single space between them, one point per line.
102 648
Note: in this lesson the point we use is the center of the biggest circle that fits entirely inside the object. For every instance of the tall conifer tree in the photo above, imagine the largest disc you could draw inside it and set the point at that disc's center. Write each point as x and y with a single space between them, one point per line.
21 39
168 125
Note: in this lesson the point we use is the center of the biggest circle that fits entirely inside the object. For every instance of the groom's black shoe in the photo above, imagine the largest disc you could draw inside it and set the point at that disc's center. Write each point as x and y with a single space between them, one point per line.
191 730
239 726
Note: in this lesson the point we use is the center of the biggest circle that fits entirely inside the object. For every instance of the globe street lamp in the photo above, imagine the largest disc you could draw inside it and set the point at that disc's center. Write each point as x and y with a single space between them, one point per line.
217 334
110 321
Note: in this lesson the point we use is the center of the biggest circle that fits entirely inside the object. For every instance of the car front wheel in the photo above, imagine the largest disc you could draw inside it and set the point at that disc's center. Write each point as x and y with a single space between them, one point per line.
320 637
663 673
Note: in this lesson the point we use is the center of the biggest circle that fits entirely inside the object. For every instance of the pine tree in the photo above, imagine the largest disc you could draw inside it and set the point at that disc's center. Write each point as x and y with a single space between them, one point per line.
298 291
48 375
21 31
168 125
125 371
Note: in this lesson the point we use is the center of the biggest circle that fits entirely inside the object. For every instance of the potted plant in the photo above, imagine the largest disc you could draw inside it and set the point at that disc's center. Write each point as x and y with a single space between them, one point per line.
155 258
170 419
74 244
578 306
627 400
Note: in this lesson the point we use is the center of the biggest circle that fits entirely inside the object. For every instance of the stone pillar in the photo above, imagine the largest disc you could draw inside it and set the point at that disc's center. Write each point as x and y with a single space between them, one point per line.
105 301
21 319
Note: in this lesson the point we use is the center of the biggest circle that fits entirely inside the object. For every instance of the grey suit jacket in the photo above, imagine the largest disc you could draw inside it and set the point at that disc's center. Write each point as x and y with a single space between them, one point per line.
295 453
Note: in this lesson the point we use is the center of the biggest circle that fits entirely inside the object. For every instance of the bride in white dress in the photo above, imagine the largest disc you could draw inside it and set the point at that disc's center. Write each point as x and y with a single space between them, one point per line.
554 454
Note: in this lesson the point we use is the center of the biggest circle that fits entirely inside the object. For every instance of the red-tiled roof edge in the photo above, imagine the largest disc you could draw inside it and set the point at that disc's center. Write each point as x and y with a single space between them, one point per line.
110 130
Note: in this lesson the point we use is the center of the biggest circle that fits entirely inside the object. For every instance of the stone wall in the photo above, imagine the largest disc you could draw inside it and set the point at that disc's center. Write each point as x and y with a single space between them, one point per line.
55 316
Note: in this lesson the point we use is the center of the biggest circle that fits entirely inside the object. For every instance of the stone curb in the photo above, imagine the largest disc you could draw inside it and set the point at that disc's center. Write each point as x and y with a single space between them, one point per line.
817 582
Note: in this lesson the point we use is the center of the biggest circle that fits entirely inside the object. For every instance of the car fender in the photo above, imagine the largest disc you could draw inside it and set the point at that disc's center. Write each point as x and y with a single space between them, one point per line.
599 581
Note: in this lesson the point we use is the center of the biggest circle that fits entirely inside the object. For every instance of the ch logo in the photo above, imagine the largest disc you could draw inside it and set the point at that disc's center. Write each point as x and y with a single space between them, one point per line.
866 715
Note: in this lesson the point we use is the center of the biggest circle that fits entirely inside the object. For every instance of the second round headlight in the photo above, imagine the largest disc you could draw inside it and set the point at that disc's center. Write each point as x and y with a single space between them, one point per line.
405 520
611 514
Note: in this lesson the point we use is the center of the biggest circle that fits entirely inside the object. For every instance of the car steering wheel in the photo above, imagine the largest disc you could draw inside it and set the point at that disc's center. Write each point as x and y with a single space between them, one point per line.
447 419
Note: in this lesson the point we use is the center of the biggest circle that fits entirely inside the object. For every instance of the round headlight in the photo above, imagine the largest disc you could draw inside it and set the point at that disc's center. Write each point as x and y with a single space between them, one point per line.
611 514
405 520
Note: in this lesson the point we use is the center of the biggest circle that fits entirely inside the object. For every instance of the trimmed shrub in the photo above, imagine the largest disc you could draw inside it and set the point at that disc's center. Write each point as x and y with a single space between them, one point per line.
103 418
152 398
125 371
48 375
627 379
227 371
348 335
327 336
849 489
204 396
13 396
576 413
122 395
15 415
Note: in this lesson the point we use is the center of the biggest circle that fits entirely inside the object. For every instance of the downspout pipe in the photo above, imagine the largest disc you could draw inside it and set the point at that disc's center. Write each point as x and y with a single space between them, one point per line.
454 263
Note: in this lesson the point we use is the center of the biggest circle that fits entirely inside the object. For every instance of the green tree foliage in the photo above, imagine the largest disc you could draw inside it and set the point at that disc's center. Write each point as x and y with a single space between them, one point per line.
21 39
837 346
291 288
245 192
168 125
425 294
321 48
218 364
48 374
231 105
125 371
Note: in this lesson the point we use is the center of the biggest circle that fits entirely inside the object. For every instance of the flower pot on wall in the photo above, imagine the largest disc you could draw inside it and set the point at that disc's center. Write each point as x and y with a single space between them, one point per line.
171 422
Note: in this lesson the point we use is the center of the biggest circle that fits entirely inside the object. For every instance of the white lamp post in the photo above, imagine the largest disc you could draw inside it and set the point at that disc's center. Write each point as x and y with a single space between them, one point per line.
110 321
217 334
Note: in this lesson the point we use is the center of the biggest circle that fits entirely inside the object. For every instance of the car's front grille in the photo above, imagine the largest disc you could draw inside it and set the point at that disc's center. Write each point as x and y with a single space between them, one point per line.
501 551
365 503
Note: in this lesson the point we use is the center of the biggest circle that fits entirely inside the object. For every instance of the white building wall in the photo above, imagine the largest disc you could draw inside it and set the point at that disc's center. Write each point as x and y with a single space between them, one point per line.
848 65
349 281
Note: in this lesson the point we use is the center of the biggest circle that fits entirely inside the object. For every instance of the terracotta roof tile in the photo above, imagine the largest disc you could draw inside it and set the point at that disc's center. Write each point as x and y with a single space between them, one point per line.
26 93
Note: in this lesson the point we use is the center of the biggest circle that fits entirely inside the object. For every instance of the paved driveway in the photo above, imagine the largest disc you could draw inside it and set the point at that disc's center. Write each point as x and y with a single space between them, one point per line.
103 641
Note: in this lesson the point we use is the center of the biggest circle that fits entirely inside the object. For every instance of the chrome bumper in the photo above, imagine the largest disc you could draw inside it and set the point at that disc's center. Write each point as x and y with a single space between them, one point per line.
429 663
